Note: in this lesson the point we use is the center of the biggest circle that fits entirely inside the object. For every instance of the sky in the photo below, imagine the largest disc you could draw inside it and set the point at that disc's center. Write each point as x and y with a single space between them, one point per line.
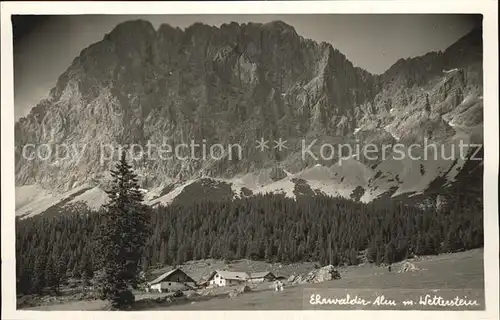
46 49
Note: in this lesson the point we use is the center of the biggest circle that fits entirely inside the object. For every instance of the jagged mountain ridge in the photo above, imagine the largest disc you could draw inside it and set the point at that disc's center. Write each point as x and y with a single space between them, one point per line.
238 83
162 91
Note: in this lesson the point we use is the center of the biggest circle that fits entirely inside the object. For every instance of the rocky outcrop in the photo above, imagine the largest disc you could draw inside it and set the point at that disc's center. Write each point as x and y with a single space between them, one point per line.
408 267
234 84
227 84
326 273
238 291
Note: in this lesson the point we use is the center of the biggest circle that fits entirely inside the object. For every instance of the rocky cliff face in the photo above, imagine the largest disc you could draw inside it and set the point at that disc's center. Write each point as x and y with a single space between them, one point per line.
236 84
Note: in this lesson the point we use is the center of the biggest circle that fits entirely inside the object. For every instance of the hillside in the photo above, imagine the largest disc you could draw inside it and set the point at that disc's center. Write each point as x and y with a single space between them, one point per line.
442 275
236 84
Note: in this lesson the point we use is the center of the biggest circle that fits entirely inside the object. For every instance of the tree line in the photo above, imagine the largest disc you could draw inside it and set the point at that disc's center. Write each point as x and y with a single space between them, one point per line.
262 227
106 246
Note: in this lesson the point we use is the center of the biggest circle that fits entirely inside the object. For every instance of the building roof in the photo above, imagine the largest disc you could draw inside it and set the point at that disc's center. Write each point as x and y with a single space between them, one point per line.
230 275
260 274
166 275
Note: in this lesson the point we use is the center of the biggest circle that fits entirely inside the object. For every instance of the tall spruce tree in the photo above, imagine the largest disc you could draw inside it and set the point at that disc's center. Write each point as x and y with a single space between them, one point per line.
51 276
121 237
39 282
85 268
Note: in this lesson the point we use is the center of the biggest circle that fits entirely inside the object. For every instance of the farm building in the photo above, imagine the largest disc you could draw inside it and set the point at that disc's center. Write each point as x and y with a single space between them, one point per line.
172 280
258 277
227 278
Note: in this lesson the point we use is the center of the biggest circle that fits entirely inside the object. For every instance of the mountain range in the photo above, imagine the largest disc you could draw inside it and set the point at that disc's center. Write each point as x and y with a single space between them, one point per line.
238 83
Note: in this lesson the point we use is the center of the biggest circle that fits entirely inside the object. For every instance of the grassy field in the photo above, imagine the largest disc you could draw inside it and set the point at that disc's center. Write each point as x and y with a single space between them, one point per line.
459 274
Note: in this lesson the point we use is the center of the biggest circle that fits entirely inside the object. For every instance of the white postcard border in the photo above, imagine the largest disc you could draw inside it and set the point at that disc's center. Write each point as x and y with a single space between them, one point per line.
488 8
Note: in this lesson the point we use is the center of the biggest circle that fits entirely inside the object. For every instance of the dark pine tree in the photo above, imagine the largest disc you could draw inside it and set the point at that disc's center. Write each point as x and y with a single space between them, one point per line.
61 269
51 276
39 280
24 284
390 253
86 269
121 237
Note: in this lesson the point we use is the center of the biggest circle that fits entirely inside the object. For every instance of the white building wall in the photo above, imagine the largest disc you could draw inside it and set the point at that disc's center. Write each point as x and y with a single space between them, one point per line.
218 281
156 287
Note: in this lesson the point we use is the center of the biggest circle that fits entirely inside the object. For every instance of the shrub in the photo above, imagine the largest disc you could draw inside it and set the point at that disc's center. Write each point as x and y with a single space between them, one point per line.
122 299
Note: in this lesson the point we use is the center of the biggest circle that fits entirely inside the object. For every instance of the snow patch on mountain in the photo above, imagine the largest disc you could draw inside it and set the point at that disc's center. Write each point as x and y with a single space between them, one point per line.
44 201
169 197
93 198
390 130
284 186
30 193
